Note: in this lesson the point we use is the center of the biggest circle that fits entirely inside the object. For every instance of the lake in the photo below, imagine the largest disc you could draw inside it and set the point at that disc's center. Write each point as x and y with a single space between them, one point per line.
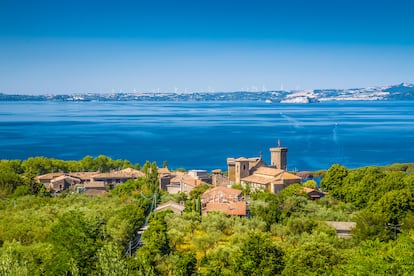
201 135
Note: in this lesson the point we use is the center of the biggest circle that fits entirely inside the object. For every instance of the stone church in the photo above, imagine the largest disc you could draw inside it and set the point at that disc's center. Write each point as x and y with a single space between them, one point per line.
256 174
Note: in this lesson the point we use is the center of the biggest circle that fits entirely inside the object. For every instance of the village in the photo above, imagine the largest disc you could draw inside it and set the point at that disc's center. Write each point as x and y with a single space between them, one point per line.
252 173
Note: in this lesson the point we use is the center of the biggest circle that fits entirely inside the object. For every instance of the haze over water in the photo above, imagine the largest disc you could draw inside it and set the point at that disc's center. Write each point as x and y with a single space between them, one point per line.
199 135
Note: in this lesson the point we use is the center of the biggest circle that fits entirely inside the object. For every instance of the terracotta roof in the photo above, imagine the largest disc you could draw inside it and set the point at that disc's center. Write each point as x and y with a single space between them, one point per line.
268 171
258 179
266 175
308 190
132 172
163 171
83 175
222 190
125 173
80 175
191 181
230 208
186 179
177 173
49 176
174 206
62 177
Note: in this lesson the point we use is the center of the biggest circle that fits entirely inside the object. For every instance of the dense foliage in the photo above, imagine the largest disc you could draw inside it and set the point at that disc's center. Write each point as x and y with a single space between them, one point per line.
286 234
384 198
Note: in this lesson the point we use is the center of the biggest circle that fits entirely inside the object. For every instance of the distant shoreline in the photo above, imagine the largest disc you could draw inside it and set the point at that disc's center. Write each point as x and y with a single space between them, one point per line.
401 91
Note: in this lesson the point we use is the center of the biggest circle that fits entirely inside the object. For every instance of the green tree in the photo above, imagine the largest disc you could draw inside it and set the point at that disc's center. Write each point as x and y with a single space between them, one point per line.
8 182
266 206
10 263
21 191
310 184
394 205
219 261
156 237
74 237
186 264
333 178
381 258
258 256
110 261
371 226
151 172
312 258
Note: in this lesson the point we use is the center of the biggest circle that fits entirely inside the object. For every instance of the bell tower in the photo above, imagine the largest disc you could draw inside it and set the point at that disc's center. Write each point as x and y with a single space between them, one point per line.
278 157
241 169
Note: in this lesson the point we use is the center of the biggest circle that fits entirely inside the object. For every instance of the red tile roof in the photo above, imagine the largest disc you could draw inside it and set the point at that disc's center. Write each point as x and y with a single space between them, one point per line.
223 191
230 208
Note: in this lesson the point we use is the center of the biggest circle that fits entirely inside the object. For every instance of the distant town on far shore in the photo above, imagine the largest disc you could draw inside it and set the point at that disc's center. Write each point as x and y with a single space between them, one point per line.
403 91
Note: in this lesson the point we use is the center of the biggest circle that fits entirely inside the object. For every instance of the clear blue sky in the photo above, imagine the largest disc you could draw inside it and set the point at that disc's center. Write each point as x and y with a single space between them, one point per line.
65 46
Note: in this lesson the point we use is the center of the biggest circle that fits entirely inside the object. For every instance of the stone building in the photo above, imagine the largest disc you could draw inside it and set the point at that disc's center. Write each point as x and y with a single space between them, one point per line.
71 181
255 173
223 199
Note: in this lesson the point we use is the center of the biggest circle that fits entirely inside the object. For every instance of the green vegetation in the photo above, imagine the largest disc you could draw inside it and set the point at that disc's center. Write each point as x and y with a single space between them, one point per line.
286 234
16 173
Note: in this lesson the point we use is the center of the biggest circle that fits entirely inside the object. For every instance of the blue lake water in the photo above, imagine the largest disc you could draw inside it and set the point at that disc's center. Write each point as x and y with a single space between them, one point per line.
198 135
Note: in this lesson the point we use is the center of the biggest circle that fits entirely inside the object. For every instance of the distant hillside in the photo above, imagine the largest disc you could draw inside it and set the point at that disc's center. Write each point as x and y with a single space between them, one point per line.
403 91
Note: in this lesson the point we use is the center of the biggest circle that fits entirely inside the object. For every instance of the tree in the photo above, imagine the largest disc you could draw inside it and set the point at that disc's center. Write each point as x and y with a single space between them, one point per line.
371 226
186 264
312 258
110 261
156 237
311 184
205 241
266 206
74 237
21 191
299 225
332 180
394 205
258 256
10 264
219 261
151 172
8 182
380 258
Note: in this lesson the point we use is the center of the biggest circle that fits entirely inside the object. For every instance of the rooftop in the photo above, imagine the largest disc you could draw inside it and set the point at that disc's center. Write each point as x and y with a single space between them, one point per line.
220 190
230 208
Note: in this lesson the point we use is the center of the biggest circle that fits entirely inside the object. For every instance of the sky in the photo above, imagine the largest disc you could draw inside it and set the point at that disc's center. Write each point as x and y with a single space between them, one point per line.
104 46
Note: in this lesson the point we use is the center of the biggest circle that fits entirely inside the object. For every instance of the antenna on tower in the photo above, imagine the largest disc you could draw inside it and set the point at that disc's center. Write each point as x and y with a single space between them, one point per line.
278 143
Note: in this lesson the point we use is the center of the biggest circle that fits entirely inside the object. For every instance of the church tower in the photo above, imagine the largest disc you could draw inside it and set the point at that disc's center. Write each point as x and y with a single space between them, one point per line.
278 157
241 169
